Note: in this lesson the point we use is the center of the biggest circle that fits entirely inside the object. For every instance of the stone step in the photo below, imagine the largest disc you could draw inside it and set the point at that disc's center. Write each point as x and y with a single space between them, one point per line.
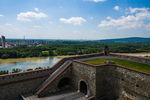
53 75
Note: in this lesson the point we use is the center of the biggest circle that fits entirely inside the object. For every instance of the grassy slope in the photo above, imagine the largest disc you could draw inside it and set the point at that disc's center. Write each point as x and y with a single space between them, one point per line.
129 64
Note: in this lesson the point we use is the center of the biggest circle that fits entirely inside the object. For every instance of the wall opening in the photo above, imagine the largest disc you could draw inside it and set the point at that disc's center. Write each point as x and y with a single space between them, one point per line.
83 87
64 83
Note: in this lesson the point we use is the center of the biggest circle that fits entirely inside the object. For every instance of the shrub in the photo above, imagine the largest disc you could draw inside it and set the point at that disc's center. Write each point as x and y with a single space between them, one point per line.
38 68
29 69
15 70
4 72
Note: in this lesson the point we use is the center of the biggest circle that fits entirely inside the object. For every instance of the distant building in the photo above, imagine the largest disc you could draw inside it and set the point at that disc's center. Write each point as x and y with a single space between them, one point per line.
3 41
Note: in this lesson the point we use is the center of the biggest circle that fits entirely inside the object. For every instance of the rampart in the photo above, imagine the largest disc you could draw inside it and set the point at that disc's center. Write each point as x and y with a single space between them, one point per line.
86 73
15 84
104 81
121 83
114 82
144 60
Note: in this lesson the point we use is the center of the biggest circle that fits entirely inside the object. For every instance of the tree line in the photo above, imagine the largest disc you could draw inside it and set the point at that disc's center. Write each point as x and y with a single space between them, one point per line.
58 48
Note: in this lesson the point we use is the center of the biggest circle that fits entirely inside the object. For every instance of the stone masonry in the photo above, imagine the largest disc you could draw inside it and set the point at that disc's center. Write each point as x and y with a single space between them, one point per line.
103 82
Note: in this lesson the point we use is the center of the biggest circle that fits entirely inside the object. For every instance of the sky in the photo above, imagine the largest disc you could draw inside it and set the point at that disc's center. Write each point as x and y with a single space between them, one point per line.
74 19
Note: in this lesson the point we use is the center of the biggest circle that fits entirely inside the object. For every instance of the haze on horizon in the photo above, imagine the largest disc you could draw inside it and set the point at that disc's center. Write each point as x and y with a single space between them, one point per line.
74 19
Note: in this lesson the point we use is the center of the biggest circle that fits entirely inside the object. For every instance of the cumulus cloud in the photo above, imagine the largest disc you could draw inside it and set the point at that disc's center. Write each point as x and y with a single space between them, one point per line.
138 18
73 20
30 15
116 7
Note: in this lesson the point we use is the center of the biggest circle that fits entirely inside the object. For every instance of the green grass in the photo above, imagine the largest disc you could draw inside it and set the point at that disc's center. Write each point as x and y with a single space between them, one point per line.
129 64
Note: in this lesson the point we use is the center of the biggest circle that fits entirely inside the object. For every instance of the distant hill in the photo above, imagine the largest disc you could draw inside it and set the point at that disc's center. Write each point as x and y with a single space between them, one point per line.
128 40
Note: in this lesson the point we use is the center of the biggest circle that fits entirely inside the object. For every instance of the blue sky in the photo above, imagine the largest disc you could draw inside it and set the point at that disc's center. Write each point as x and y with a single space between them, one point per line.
74 19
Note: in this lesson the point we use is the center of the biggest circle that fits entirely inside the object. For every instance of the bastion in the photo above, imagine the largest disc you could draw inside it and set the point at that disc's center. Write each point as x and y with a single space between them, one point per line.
107 81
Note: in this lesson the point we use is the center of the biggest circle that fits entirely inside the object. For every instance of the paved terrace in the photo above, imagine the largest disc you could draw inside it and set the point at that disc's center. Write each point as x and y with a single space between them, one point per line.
62 95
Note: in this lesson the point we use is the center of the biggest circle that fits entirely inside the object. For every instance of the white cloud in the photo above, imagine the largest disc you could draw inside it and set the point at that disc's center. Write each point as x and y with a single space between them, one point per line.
138 18
73 20
134 10
116 7
36 9
1 15
29 16
108 17
96 0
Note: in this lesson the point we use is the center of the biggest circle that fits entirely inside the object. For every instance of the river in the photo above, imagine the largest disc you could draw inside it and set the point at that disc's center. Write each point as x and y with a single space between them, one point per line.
27 63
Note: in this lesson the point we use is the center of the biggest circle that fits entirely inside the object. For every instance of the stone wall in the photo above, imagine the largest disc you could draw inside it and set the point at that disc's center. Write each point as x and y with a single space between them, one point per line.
53 87
107 86
121 83
144 60
133 84
86 73
112 82
13 85
105 82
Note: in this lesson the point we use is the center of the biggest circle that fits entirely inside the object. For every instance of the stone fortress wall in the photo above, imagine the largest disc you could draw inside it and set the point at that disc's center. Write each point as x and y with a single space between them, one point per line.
16 84
120 83
109 81
13 85
85 73
114 82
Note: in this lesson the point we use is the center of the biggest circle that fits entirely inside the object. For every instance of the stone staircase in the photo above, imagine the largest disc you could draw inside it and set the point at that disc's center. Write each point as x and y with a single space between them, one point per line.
53 76
50 79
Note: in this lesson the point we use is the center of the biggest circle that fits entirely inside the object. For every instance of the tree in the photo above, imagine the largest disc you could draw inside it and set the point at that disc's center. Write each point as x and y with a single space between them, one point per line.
4 72
4 56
